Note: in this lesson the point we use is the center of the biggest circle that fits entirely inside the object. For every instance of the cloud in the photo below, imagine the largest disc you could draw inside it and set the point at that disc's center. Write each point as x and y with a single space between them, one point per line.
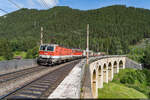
50 3
21 5
31 3
1 14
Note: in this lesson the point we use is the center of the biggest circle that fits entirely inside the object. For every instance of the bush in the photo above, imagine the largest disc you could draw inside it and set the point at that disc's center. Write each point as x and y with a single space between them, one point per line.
137 79
147 73
128 78
145 59
32 53
134 76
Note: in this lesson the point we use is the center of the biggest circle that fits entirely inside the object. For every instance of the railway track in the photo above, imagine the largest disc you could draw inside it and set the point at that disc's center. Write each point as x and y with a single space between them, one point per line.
17 74
43 86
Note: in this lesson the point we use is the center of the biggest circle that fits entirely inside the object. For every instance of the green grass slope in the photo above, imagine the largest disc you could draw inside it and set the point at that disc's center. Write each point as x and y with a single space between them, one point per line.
113 90
137 79
19 53
1 58
128 83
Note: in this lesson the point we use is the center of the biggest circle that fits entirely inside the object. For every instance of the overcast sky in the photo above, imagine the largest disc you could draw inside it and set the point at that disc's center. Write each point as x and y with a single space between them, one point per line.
9 6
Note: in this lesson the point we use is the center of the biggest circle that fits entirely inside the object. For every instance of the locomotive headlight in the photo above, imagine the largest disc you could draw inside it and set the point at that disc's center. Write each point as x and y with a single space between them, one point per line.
45 56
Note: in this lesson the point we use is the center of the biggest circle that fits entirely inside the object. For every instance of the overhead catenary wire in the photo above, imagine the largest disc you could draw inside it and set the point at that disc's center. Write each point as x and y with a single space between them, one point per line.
14 4
44 3
3 10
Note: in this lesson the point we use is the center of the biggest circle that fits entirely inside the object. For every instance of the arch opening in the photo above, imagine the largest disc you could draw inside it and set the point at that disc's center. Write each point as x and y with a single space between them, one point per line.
121 64
115 67
94 83
110 71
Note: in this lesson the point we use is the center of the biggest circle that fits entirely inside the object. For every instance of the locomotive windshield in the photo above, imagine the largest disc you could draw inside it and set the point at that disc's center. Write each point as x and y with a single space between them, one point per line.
50 48
43 47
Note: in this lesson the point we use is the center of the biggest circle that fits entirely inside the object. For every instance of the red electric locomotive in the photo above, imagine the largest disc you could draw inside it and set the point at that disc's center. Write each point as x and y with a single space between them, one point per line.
53 53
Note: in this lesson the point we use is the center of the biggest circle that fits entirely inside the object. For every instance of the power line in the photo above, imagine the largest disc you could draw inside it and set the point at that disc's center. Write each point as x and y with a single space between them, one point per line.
44 3
87 49
14 4
3 10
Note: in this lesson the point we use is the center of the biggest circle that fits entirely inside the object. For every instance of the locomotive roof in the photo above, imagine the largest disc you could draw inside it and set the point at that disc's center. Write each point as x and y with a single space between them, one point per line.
77 49
51 44
61 46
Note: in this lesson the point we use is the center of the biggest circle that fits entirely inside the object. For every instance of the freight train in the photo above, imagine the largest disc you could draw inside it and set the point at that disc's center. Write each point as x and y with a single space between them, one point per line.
50 54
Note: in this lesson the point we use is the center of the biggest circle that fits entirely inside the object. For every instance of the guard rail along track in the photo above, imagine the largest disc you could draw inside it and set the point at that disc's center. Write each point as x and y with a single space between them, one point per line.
43 86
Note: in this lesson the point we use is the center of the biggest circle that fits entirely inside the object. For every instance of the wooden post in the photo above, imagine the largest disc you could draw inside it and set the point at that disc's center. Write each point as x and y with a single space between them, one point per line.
87 49
41 35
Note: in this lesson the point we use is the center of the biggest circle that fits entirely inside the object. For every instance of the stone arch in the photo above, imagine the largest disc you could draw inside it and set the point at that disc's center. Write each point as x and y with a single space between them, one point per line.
105 73
110 71
100 77
115 67
120 64
94 84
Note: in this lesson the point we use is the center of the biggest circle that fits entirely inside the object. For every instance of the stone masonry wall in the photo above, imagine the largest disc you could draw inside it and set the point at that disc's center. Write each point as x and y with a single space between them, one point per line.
132 64
15 65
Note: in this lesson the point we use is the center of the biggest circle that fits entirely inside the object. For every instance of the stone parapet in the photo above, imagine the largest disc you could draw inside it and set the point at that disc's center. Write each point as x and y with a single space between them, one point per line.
16 65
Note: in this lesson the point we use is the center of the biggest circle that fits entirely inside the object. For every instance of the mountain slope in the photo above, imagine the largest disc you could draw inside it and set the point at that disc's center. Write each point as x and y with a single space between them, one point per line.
112 28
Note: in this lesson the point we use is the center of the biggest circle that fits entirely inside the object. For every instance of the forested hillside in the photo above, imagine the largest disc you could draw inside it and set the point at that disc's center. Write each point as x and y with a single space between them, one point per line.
112 29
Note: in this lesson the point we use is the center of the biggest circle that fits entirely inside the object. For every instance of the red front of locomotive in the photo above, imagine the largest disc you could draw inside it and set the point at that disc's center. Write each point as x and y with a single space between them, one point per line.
46 53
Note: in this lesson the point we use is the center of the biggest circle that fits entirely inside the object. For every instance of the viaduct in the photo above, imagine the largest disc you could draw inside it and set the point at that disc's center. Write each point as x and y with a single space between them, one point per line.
102 70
